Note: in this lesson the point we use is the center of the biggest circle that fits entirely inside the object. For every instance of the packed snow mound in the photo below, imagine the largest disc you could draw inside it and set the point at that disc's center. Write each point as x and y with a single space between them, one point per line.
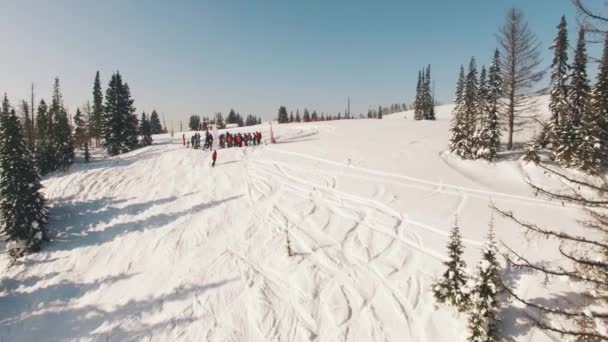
157 245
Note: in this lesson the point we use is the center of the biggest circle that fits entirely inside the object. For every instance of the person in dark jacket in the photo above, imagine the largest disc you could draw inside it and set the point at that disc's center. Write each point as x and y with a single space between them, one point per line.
214 157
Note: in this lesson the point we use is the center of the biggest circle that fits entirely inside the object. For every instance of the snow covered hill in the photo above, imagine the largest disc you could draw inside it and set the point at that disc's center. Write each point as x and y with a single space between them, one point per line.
157 245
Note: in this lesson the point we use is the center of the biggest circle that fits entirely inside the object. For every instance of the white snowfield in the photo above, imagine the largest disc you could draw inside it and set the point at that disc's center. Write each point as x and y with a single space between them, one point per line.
157 245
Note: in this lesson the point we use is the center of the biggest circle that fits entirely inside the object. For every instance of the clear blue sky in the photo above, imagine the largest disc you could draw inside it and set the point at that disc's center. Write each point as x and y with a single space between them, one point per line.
184 57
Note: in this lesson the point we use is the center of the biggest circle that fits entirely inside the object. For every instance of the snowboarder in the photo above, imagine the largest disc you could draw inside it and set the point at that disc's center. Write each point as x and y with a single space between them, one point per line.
214 157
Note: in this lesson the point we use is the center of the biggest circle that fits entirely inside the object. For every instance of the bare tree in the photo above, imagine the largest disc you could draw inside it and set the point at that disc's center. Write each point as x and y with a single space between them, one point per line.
592 19
519 67
586 263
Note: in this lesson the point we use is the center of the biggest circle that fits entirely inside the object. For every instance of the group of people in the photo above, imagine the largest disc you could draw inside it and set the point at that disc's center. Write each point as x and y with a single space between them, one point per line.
240 140
195 141
225 140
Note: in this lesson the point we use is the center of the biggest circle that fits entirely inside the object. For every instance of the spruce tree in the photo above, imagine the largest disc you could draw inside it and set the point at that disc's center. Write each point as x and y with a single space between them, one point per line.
306 117
61 134
283 118
145 130
23 215
298 119
483 318
489 139
599 103
96 119
428 105
558 103
291 117
451 287
314 116
155 125
571 135
459 139
418 102
132 125
81 134
231 118
380 112
44 151
113 122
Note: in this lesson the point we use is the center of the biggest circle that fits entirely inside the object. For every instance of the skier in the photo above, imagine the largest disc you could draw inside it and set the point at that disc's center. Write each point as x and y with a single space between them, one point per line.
214 157
184 139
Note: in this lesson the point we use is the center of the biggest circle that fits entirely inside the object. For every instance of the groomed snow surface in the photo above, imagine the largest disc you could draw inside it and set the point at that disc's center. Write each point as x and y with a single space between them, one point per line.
157 245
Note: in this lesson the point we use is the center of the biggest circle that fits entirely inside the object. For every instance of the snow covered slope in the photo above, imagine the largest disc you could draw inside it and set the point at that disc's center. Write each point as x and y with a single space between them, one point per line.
157 245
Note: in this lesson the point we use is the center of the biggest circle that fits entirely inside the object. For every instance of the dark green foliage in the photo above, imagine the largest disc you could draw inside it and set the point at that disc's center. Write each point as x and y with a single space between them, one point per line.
62 142
559 87
119 124
194 123
306 116
23 215
145 130
155 125
483 318
282 118
96 118
451 287
219 120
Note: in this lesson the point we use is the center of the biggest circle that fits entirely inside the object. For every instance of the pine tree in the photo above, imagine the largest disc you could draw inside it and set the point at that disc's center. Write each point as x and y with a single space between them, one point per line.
314 116
459 139
239 120
306 117
452 285
113 121
489 138
61 134
298 119
96 118
571 135
283 118
483 318
145 130
81 134
44 148
428 105
418 104
559 88
155 125
23 215
231 118
131 131
599 104
380 112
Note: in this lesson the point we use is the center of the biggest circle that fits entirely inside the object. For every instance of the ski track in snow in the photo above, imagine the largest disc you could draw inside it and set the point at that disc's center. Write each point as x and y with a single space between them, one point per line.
156 245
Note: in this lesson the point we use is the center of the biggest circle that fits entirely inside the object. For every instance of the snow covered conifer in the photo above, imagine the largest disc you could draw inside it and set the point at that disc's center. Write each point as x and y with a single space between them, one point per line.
599 103
61 132
489 138
559 88
459 139
81 135
483 318
452 285
23 215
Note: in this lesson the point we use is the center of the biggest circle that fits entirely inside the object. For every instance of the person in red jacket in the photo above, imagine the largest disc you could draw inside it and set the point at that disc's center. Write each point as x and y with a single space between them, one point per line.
214 157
